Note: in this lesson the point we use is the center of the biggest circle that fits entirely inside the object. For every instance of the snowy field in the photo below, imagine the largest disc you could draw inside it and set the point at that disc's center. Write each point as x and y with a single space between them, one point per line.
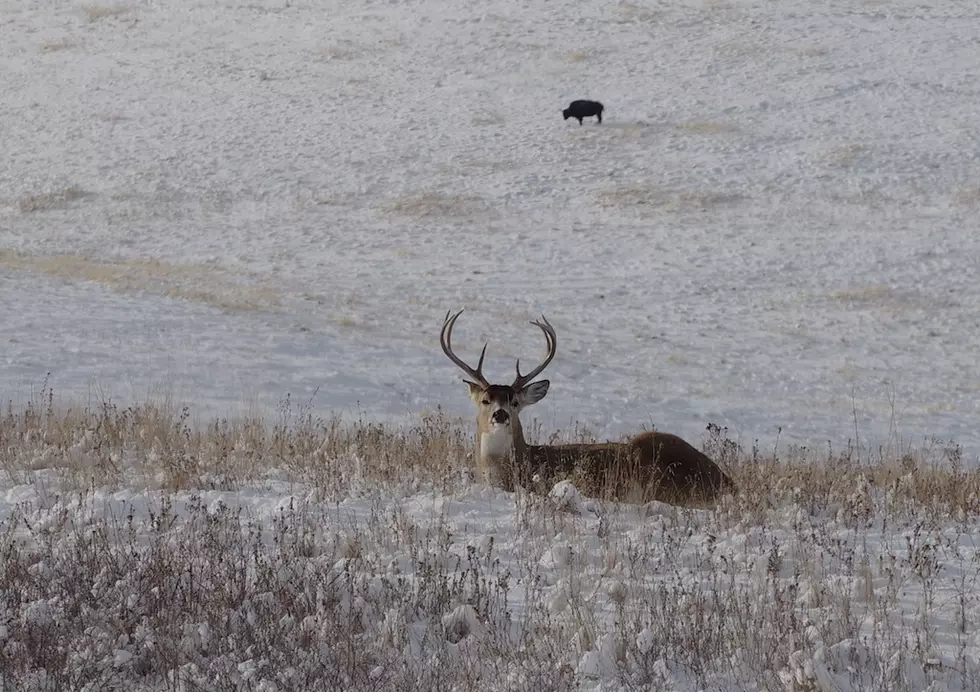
137 552
263 211
775 228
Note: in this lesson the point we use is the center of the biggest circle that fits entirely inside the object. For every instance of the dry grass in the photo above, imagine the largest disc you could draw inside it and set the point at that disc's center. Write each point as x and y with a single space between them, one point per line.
473 165
896 301
345 49
737 49
580 55
654 198
844 155
107 445
706 127
94 13
967 196
487 117
743 50
870 293
825 564
310 199
628 129
629 13
809 50
200 283
339 51
55 46
678 359
52 199
435 204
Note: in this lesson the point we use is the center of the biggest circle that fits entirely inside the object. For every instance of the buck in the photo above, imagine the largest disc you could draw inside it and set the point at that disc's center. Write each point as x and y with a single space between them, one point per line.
650 466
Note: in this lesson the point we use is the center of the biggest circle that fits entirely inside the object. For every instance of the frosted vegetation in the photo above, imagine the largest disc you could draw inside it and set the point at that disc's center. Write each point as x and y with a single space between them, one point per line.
139 550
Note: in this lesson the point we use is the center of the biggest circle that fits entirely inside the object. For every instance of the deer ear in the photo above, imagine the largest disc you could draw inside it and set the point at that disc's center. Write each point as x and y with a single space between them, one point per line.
476 391
534 392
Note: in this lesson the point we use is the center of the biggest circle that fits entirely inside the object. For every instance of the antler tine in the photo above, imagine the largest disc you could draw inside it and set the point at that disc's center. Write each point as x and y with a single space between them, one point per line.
445 340
552 342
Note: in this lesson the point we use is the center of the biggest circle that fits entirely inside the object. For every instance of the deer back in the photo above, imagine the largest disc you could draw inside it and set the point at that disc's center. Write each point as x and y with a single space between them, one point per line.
676 472
650 466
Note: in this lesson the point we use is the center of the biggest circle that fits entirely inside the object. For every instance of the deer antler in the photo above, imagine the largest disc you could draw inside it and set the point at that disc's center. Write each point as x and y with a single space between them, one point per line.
552 342
445 339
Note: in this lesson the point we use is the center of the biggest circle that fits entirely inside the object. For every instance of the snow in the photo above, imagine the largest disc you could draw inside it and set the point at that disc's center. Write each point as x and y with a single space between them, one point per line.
773 230
465 576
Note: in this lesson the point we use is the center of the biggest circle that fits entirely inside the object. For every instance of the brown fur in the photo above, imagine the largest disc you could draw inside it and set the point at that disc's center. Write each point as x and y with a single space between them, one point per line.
650 466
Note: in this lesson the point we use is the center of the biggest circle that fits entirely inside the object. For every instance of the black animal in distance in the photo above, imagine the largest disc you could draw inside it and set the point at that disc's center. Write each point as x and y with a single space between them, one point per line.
583 109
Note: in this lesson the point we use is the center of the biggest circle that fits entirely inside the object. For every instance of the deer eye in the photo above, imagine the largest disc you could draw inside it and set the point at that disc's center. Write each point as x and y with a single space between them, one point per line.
485 402
515 403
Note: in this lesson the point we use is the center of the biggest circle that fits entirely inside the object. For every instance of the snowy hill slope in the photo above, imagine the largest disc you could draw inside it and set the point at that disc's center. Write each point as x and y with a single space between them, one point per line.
774 228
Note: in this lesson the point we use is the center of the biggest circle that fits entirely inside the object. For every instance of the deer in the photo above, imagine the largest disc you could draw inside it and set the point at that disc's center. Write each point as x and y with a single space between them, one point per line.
649 466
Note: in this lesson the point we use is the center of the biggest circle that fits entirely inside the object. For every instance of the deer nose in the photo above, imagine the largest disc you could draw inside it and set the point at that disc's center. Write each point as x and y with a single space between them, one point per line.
500 416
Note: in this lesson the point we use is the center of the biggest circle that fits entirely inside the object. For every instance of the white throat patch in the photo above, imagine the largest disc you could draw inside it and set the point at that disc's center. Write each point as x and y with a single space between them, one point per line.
499 442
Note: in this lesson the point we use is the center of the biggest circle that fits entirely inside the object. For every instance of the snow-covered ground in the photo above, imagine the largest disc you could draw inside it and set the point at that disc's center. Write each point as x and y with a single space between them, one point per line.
271 587
774 228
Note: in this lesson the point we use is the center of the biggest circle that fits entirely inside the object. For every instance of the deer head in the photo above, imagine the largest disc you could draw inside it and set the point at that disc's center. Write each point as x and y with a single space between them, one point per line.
500 437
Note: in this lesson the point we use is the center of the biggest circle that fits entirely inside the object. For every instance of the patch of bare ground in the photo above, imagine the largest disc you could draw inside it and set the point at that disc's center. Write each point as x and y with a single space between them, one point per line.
651 198
210 284
436 204
95 13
